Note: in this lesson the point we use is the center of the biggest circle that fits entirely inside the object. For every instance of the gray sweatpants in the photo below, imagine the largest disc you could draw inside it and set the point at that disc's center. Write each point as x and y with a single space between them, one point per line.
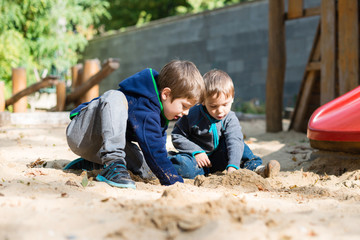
98 134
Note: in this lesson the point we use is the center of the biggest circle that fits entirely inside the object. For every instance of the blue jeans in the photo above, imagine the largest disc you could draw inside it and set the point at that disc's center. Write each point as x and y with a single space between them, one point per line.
187 167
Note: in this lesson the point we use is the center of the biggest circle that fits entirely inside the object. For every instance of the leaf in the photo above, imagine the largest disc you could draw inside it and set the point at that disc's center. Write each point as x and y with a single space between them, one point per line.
63 195
71 183
84 181
35 173
37 163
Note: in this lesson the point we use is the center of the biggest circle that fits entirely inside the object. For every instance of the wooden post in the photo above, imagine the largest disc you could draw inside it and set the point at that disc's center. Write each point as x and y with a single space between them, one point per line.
91 67
295 9
276 66
2 96
19 84
328 51
78 83
348 45
76 75
60 96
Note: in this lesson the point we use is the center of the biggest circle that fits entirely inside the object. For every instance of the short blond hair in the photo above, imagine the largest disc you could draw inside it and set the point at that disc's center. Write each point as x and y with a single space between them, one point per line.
217 82
184 80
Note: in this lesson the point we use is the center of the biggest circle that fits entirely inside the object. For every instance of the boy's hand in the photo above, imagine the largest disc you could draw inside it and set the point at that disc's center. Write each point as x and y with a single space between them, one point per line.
202 160
231 169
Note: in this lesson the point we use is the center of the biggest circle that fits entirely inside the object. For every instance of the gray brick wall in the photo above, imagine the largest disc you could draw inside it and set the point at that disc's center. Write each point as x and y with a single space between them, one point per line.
234 39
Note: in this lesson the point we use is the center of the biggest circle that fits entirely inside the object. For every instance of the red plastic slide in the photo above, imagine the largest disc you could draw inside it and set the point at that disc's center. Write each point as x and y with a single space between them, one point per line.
335 126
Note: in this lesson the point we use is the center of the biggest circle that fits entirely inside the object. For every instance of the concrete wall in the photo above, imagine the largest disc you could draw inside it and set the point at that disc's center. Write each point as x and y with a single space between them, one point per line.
234 39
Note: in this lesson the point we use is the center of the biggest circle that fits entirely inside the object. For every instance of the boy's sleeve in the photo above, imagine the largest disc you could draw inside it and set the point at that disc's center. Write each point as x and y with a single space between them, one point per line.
180 138
152 142
234 141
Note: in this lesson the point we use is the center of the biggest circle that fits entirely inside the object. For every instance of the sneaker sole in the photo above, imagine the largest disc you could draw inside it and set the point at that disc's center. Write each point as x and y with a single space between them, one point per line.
114 184
273 169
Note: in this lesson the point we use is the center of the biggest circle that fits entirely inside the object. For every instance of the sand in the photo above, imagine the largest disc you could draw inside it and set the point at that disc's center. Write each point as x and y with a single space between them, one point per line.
315 196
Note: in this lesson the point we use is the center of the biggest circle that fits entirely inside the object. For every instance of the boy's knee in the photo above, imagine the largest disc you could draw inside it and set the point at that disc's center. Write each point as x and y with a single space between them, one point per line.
115 97
252 164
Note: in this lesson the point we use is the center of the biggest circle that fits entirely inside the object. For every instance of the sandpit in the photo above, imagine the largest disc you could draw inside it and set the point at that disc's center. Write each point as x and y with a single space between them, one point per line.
315 196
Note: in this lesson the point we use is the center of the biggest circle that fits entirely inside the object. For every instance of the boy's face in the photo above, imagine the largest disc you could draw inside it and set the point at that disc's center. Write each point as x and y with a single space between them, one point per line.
177 108
218 106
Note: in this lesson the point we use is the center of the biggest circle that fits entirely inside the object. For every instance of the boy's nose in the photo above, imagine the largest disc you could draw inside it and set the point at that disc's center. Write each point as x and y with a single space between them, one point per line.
186 112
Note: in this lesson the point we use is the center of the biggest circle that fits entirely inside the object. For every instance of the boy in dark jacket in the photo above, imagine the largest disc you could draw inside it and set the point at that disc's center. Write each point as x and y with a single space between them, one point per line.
209 138
103 130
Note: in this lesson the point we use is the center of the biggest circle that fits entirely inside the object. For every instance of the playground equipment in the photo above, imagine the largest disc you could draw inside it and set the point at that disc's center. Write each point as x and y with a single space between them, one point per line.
335 126
333 65
84 85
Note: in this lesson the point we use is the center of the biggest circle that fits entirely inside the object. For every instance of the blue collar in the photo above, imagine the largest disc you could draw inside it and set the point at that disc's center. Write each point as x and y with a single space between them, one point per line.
213 128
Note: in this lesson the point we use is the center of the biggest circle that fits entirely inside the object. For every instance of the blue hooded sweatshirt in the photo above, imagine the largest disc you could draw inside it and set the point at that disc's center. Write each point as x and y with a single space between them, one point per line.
147 123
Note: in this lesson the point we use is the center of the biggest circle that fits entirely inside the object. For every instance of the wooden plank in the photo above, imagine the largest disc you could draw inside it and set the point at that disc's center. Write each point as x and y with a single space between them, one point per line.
295 9
310 12
307 12
313 66
348 45
46 82
328 51
276 66
304 101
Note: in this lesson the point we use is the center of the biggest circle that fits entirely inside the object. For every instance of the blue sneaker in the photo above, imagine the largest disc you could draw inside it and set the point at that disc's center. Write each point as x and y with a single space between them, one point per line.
116 175
82 164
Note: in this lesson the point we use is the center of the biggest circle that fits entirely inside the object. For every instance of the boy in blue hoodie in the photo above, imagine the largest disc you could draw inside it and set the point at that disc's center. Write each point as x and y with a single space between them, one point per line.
103 131
209 138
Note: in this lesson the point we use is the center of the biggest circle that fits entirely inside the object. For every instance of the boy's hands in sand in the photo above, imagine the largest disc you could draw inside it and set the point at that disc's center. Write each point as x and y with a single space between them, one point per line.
202 160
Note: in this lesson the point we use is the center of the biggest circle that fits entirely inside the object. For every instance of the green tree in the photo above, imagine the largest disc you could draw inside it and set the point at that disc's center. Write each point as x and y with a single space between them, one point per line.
125 13
203 5
45 34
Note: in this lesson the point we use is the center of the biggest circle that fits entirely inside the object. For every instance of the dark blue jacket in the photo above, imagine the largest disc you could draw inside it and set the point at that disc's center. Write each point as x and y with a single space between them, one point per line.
146 123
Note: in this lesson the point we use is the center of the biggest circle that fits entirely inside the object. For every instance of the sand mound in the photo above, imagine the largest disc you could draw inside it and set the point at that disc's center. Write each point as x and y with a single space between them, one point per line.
333 163
242 179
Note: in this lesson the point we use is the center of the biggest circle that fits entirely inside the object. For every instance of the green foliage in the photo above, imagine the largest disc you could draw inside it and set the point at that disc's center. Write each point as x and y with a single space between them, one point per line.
252 107
50 34
125 13
13 52
45 34
202 5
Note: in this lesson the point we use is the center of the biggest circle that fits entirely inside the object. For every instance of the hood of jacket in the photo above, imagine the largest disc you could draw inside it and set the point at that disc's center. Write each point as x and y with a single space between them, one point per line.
144 84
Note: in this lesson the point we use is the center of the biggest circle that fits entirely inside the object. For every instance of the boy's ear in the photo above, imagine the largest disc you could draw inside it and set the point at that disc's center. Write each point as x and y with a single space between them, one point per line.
165 93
